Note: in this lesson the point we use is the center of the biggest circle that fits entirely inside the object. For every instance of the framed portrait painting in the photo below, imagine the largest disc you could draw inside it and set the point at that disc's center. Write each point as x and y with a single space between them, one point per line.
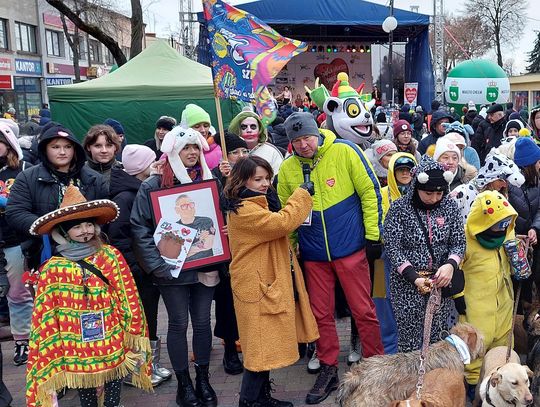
189 225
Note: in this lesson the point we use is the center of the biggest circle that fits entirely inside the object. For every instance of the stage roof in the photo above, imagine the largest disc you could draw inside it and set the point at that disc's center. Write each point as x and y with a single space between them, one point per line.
343 20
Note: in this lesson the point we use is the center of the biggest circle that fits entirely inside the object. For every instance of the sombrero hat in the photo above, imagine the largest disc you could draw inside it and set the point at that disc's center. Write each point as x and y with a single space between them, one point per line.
75 206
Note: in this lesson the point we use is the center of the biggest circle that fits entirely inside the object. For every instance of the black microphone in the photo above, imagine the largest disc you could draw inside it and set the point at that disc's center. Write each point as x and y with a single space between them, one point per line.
306 170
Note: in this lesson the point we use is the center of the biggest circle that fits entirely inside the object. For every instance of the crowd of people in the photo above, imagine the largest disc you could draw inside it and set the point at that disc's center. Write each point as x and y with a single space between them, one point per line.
307 216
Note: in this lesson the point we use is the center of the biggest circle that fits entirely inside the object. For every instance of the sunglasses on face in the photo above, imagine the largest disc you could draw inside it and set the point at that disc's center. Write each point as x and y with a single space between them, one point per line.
186 206
251 126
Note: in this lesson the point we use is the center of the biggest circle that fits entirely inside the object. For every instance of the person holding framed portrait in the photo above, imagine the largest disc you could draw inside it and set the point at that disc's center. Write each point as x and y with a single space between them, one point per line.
190 293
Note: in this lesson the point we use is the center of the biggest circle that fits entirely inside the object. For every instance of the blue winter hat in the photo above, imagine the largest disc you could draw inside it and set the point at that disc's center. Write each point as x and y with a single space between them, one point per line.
116 125
527 152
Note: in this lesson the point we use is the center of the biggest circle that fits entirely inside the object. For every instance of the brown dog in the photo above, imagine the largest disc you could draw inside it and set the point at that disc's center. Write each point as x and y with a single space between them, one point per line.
376 381
442 388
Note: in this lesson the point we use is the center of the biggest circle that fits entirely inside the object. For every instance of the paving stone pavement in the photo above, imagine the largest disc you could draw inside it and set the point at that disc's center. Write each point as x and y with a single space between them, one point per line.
292 383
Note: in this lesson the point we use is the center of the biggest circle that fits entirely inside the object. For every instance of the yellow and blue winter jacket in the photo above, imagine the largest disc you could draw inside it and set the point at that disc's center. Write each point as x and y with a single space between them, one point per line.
347 207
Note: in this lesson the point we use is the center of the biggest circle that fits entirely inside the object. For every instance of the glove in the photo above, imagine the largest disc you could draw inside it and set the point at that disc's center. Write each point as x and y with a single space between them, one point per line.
4 284
460 304
309 186
373 250
164 272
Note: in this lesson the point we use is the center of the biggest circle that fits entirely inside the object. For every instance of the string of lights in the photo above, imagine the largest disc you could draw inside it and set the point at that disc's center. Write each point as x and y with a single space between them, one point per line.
341 48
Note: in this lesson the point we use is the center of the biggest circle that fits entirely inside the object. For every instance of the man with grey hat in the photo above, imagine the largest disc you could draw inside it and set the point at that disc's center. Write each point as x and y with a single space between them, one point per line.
335 241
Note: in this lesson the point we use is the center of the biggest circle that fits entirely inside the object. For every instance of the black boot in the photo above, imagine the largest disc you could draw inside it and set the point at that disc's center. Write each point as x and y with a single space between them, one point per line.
185 396
231 362
266 399
203 390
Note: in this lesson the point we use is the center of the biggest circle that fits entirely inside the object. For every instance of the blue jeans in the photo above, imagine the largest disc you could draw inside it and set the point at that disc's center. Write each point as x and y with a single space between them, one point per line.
19 298
182 302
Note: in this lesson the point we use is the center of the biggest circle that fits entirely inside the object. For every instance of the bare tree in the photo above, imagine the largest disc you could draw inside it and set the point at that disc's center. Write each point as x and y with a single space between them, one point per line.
464 38
91 17
502 18
74 43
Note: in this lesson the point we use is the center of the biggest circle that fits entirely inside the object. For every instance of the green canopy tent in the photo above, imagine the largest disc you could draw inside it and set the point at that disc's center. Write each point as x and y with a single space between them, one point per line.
159 81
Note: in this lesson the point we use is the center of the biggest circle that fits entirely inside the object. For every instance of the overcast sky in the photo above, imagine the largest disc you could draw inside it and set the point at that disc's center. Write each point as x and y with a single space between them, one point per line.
161 16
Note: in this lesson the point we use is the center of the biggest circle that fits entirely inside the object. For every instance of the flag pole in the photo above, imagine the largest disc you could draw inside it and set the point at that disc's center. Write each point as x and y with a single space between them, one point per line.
220 125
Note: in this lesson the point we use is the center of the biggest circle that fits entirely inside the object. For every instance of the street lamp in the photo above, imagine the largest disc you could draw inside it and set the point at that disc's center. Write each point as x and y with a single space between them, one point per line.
389 25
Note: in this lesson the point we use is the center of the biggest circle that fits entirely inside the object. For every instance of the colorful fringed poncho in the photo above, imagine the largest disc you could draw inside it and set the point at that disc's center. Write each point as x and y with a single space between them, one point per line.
58 357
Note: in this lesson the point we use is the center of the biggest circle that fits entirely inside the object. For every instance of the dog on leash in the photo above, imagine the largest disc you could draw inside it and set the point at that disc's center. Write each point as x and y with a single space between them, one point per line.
376 381
501 383
442 388
531 323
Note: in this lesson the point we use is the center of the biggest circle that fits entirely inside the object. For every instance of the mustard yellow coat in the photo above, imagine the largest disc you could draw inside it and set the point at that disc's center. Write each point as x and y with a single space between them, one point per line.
270 322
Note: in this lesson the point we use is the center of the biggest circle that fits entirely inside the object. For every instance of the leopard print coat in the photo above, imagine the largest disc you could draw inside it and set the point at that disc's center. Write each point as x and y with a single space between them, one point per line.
404 242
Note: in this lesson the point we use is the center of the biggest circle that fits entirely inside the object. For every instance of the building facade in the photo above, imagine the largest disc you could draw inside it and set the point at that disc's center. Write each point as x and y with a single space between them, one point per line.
35 53
525 90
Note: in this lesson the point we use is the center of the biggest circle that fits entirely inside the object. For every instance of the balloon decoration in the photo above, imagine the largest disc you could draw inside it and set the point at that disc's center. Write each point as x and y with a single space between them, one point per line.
389 24
477 80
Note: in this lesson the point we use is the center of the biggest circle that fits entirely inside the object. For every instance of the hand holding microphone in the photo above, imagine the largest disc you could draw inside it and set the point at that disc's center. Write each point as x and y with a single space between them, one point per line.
308 184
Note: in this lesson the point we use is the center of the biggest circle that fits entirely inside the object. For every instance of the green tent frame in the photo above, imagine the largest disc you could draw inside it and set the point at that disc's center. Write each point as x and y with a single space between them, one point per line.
159 81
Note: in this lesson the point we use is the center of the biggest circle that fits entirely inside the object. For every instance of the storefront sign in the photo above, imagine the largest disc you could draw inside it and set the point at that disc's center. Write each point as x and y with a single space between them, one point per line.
58 81
5 64
64 69
27 66
6 82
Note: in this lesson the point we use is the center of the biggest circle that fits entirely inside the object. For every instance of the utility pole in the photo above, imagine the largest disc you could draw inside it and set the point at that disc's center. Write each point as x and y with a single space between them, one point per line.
390 46
438 35
187 22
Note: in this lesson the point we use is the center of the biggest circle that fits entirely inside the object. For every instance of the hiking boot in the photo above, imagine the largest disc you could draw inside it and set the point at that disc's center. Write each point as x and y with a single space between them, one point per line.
231 362
326 383
21 353
185 395
247 403
203 390
266 399
354 351
314 366
158 371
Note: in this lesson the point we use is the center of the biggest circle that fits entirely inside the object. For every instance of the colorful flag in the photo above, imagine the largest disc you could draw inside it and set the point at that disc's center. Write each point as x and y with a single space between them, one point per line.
246 55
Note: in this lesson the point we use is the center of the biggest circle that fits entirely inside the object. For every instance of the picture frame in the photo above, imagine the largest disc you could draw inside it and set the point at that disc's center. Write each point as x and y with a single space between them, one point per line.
195 206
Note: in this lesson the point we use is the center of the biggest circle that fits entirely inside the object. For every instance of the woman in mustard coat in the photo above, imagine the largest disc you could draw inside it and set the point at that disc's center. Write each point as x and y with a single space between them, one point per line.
270 299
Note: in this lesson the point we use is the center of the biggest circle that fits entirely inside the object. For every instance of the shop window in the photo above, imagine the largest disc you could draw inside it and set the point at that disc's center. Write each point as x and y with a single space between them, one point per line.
55 43
520 99
3 34
535 98
95 52
25 37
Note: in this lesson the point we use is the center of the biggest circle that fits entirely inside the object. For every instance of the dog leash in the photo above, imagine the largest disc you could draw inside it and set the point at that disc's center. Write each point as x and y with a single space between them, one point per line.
433 303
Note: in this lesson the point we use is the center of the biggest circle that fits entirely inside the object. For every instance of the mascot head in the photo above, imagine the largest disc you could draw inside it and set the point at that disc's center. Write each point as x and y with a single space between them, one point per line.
347 113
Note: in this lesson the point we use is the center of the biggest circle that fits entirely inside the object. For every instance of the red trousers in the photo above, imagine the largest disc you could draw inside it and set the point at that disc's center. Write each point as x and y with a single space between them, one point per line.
353 274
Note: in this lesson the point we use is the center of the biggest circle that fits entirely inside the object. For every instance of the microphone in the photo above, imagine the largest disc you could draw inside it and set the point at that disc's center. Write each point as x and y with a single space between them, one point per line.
306 170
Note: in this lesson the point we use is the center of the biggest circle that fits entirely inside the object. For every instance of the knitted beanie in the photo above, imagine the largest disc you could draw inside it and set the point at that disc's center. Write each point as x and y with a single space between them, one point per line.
232 142
166 122
400 126
193 115
11 139
444 145
527 152
382 147
136 158
116 125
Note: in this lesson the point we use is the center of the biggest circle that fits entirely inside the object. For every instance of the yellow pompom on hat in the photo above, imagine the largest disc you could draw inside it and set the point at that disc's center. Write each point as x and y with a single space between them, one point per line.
430 150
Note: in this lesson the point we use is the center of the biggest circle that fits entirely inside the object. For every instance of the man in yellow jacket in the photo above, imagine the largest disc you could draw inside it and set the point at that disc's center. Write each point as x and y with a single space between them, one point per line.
488 287
345 223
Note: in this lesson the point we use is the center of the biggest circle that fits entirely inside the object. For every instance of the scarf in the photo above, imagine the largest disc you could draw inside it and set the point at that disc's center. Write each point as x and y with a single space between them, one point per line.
405 148
419 204
76 251
490 239
271 197
195 173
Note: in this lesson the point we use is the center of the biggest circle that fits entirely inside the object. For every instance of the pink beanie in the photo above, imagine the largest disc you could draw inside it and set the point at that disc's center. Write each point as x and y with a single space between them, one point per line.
137 158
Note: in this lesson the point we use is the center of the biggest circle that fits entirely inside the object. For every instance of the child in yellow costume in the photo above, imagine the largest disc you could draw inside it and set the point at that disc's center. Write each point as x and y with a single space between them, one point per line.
399 178
488 286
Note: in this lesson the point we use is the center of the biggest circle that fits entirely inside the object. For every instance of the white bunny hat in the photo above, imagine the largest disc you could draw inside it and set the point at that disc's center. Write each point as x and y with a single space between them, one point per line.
174 141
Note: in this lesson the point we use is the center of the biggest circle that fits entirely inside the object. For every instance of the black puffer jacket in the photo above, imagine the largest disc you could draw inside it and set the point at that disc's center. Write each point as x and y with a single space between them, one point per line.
526 202
486 136
123 190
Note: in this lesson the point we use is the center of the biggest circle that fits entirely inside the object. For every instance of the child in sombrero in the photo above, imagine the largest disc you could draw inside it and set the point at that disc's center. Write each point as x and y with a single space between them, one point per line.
88 326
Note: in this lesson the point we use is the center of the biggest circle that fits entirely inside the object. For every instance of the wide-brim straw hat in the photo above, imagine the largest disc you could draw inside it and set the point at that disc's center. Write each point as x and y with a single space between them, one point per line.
75 206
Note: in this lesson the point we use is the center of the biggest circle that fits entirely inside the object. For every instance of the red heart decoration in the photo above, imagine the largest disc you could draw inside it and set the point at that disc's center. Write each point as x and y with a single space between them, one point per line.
410 94
184 231
327 73
330 182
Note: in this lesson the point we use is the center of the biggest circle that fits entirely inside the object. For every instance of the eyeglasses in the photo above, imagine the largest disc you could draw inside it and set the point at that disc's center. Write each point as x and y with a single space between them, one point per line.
242 151
251 126
186 206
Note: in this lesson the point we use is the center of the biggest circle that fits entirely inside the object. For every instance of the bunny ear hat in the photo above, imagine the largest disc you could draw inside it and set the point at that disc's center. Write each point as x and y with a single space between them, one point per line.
174 141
